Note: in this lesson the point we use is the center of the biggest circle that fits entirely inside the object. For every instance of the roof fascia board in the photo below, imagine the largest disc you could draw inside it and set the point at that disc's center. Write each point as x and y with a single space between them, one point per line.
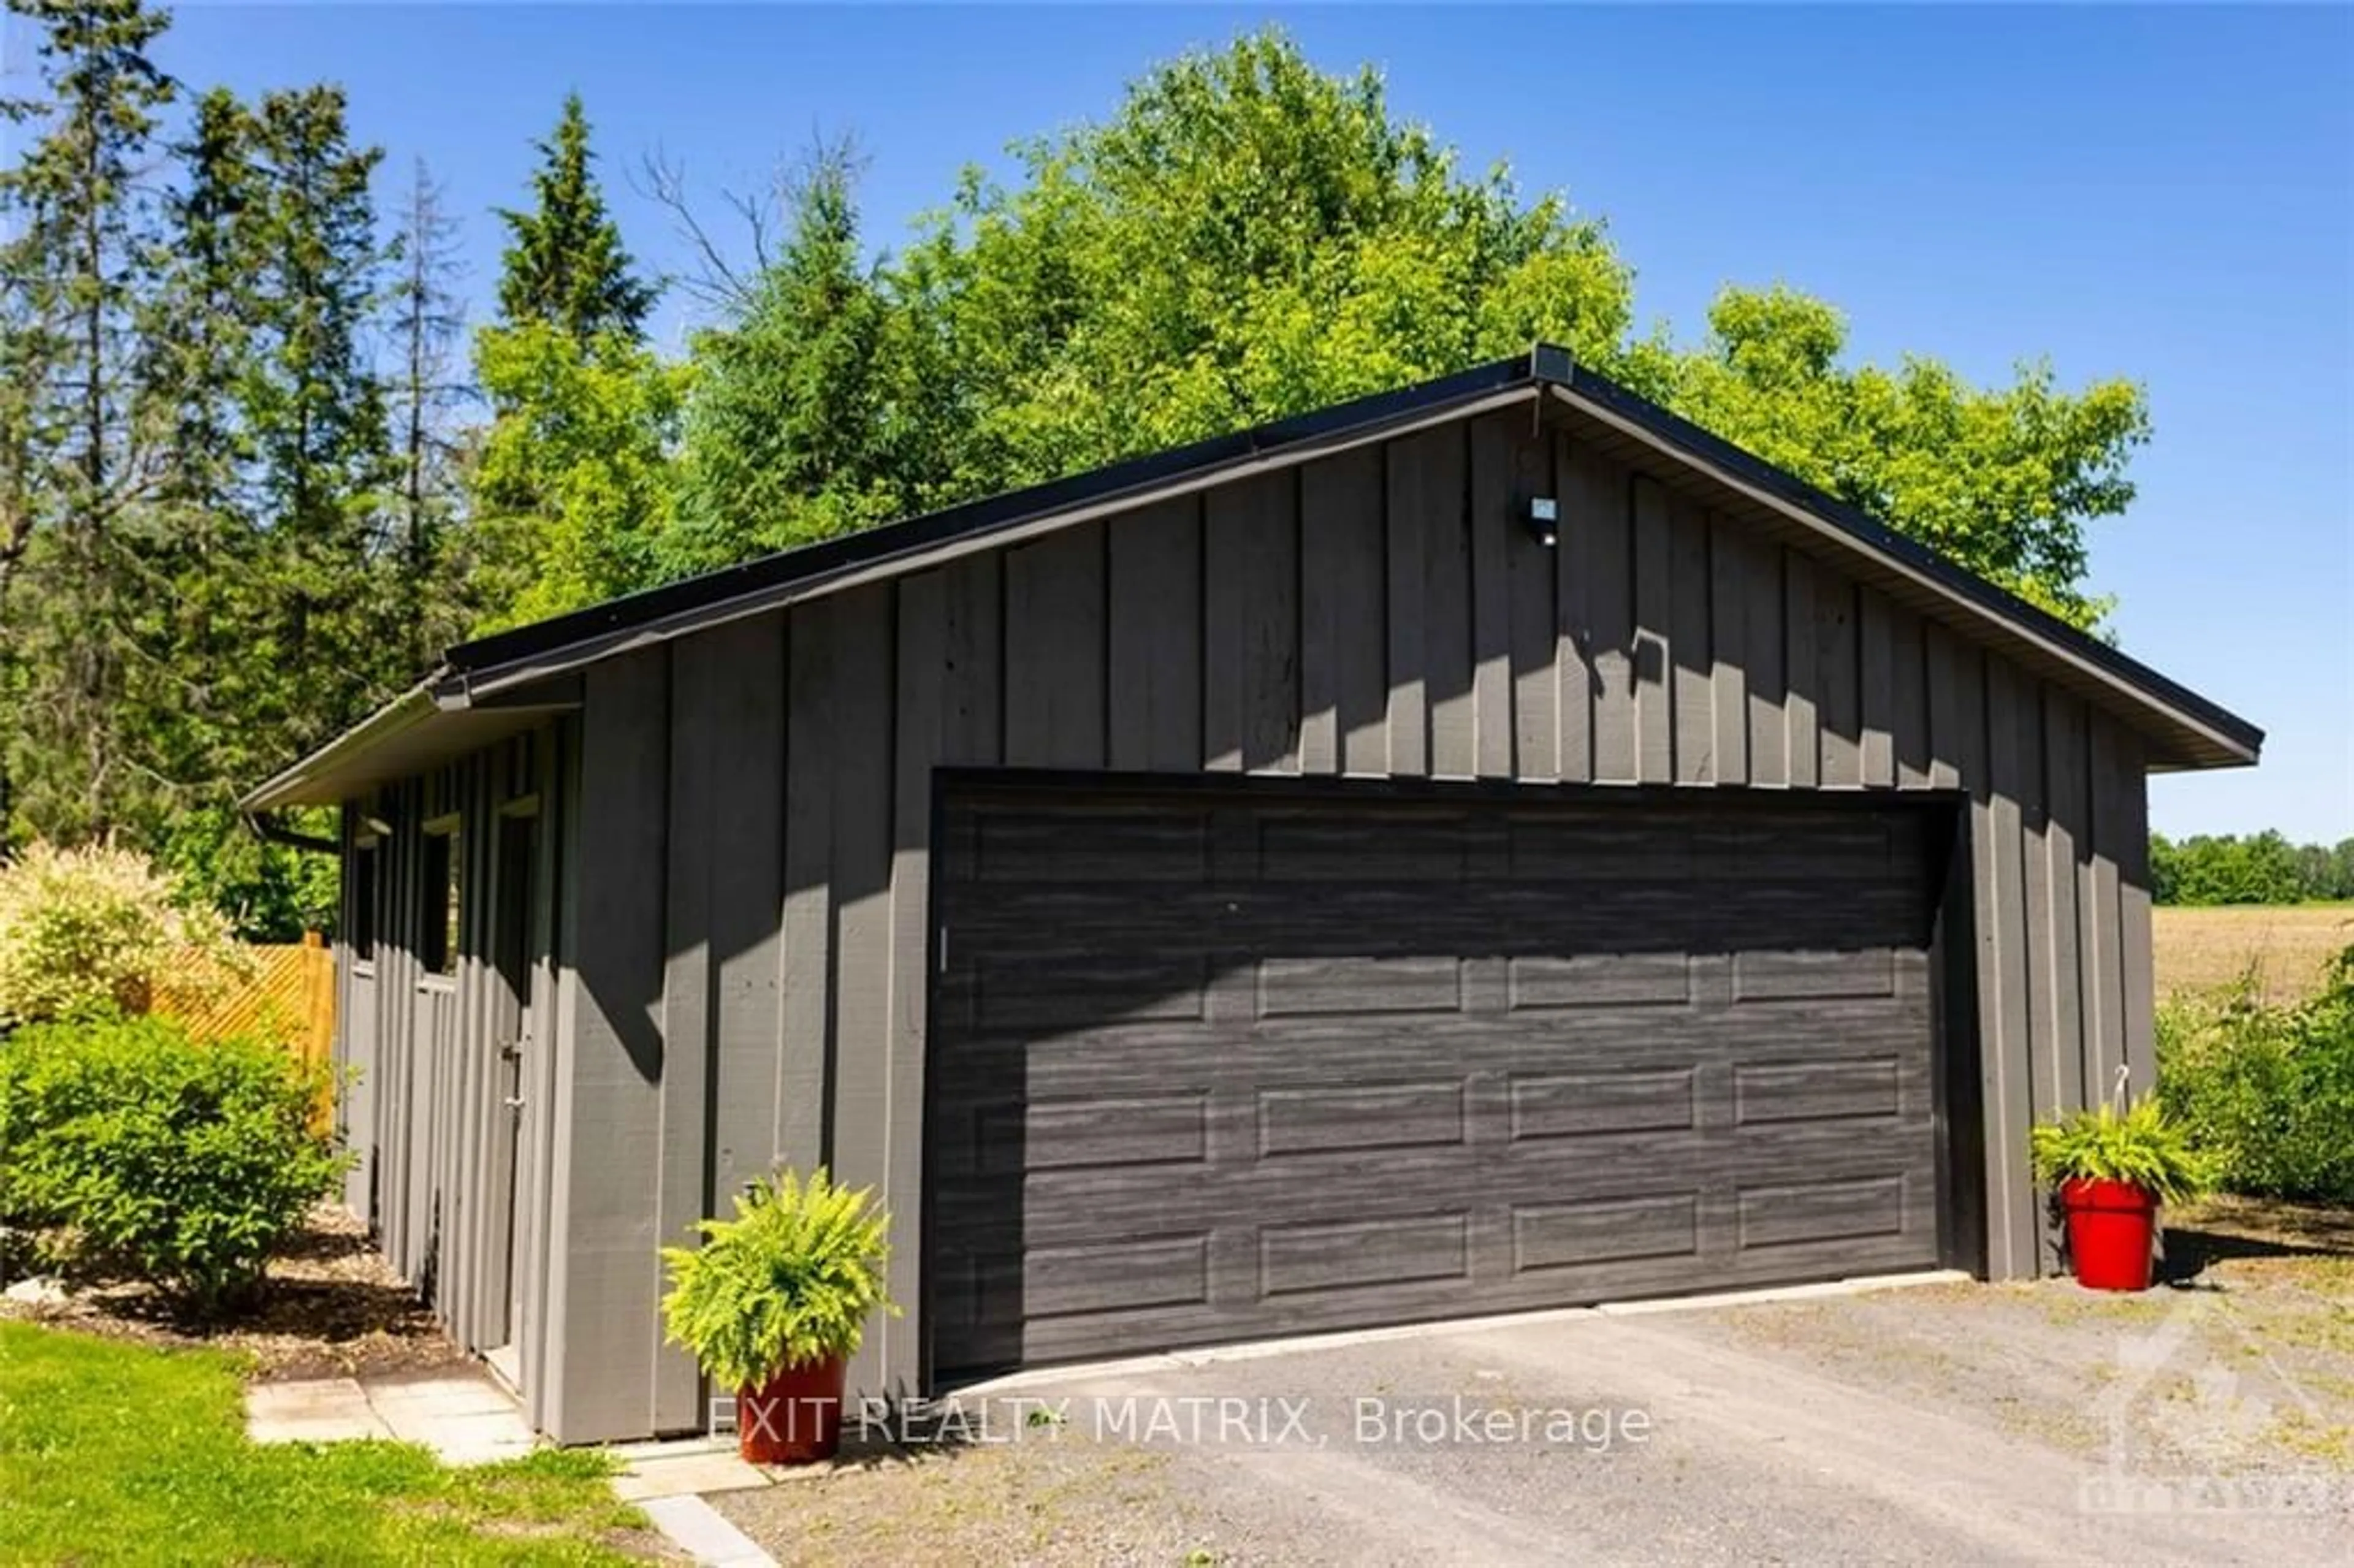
461 687
1876 543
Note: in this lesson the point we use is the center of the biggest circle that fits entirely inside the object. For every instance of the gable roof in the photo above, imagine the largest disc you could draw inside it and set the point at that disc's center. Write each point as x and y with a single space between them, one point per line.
502 683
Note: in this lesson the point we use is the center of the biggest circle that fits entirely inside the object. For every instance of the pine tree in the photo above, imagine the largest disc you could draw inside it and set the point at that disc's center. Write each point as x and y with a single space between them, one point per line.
198 599
784 433
565 264
322 471
426 317
76 460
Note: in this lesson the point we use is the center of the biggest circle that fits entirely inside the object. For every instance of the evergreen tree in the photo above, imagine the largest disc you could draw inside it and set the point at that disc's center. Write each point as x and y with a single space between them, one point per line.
426 317
200 597
324 474
78 255
785 430
564 263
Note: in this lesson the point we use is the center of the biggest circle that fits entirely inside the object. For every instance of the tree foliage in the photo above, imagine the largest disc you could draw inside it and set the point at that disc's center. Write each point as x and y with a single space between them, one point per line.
1248 238
194 587
574 485
241 503
565 264
2260 868
79 259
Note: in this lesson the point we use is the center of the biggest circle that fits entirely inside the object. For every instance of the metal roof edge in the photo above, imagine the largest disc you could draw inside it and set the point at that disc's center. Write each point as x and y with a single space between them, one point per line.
1136 478
1689 442
403 712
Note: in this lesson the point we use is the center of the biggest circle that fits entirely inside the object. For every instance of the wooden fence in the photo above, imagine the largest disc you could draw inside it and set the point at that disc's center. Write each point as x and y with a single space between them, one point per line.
290 998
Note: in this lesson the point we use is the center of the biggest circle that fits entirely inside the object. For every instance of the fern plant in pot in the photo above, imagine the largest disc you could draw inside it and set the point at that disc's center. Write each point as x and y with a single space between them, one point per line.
774 1303
2113 1168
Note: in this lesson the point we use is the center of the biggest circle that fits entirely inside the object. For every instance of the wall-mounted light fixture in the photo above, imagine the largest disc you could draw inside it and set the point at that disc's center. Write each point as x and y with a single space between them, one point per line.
1544 520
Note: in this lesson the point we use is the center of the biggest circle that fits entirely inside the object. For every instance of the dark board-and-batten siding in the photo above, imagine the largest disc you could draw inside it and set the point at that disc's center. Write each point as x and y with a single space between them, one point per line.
419 1051
1379 612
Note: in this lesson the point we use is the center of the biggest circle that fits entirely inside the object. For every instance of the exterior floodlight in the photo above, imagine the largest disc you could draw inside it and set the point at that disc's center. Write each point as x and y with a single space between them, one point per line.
1544 520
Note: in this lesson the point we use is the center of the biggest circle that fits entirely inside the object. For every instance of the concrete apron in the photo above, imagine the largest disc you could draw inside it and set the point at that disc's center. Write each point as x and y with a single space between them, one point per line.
1443 1327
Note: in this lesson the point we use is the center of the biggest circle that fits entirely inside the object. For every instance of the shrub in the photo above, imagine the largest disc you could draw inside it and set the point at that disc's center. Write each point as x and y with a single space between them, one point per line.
96 929
135 1149
2267 1091
787 1282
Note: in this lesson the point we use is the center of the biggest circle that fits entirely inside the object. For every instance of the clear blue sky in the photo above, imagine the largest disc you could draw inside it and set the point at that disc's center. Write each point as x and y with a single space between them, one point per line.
2164 194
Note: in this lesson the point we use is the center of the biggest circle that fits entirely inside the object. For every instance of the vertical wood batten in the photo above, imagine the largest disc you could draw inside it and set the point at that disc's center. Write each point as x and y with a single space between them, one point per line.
1729 564
1909 677
1054 653
1435 470
1692 675
1531 580
1841 702
613 1058
2009 1065
1801 678
697 682
745 890
927 733
2045 1043
1650 649
2067 805
1610 610
1876 639
806 921
1405 477
1496 536
1765 644
1153 565
860 745
2099 899
1585 511
1343 615
2133 919
1251 639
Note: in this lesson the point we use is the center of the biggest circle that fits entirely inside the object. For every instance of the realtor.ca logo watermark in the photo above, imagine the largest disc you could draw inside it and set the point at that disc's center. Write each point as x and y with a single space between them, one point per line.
2208 1412
1204 1420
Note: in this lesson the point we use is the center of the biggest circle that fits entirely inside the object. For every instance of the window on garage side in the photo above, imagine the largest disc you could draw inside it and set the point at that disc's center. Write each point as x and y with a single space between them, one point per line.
444 900
364 894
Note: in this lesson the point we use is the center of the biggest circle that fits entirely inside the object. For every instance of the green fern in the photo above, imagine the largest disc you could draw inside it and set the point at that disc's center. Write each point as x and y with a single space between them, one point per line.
791 1281
2139 1146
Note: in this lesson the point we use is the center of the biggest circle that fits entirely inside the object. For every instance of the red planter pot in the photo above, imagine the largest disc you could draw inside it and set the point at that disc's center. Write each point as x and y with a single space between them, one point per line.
794 1418
2111 1227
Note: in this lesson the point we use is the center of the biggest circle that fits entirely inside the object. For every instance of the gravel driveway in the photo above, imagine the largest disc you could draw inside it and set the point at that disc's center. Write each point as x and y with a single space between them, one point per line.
2211 1423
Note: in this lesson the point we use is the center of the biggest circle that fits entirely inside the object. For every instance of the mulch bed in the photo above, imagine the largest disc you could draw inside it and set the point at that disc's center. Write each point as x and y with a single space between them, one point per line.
331 1306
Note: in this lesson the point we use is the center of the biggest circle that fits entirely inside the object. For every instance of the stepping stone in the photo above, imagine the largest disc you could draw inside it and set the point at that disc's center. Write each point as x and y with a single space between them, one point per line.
682 1475
464 1419
321 1410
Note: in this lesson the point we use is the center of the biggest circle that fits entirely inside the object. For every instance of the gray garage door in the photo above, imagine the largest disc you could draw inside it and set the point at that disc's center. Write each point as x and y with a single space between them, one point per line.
1213 1066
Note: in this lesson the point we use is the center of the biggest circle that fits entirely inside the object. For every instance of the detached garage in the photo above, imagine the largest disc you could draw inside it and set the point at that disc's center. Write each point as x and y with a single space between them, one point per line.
1486 847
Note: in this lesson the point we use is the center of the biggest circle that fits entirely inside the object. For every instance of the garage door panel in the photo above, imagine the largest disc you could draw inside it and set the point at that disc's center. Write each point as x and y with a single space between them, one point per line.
1323 1064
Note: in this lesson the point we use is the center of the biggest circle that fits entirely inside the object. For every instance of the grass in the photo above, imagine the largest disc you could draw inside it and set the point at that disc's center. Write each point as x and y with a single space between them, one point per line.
2197 949
119 1453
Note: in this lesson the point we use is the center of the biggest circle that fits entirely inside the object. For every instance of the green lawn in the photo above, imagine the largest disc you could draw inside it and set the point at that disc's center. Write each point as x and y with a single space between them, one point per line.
117 1452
